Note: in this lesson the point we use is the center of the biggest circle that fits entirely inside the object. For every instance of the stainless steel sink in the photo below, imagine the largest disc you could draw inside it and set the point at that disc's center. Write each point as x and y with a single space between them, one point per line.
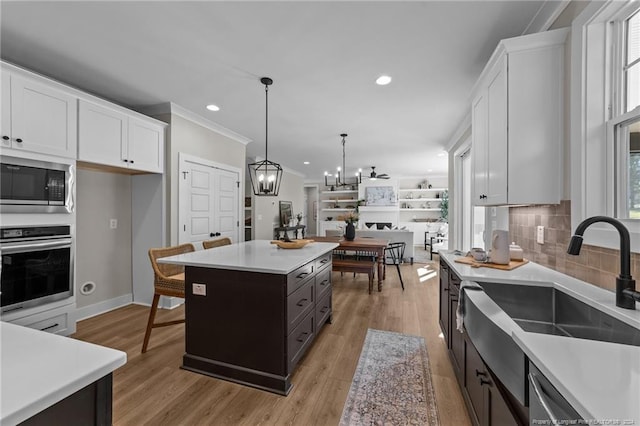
550 311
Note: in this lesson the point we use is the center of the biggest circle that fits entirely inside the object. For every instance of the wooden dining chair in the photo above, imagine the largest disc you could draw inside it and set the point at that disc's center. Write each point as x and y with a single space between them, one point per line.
216 243
168 280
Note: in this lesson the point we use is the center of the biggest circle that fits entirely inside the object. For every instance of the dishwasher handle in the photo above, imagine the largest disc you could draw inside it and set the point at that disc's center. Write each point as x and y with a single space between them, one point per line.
542 398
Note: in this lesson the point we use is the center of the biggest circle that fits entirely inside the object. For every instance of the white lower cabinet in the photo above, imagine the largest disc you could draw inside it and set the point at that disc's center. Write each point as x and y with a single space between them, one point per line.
111 136
56 321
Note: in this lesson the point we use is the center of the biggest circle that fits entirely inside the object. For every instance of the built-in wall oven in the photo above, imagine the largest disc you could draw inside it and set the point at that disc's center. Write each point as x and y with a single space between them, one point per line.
37 266
32 186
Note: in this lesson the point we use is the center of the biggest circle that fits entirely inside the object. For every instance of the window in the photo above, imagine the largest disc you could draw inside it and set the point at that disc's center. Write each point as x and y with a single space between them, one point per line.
631 68
622 129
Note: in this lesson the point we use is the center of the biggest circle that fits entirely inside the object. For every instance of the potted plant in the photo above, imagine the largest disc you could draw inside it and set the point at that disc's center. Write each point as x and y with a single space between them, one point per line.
444 205
350 219
299 217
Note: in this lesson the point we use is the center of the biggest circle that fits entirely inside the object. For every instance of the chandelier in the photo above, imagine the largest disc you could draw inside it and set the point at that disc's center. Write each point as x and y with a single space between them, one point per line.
341 178
265 175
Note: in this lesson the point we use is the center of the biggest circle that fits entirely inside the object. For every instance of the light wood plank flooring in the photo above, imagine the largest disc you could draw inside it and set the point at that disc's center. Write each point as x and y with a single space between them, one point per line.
152 389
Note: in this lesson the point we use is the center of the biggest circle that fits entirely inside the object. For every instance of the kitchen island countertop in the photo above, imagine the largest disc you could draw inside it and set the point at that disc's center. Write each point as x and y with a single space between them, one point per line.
40 369
600 380
252 256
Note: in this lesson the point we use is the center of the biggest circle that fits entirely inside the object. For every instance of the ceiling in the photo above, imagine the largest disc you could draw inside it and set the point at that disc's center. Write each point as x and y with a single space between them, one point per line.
323 56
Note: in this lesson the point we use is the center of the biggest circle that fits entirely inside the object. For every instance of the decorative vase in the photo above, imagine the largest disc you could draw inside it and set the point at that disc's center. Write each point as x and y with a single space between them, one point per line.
350 232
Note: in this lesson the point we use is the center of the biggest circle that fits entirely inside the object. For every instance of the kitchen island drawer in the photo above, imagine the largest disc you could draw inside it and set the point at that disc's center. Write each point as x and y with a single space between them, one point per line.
323 282
299 340
323 310
298 277
299 303
323 261
56 324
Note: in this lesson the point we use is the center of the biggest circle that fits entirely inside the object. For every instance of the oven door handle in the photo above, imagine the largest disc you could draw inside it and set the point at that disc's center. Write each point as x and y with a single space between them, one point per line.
11 248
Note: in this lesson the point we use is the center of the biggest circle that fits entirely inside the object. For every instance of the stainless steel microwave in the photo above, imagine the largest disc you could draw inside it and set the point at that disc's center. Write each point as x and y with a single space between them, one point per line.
32 186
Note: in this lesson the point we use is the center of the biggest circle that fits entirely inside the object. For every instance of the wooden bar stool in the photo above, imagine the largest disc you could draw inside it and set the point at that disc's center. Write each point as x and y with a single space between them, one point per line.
168 281
216 243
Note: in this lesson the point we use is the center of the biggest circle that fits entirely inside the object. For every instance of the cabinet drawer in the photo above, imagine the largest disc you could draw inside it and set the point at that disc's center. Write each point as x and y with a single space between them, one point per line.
299 303
323 261
323 282
323 309
298 277
299 340
55 325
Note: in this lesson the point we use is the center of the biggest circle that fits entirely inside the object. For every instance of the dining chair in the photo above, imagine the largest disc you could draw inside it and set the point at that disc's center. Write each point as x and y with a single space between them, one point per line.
395 253
216 243
168 280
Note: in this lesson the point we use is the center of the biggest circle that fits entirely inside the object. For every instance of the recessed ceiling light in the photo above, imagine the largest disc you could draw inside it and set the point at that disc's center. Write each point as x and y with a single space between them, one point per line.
383 80
212 107
305 162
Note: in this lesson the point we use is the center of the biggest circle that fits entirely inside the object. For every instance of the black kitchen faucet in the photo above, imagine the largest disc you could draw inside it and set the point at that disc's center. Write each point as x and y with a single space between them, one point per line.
626 294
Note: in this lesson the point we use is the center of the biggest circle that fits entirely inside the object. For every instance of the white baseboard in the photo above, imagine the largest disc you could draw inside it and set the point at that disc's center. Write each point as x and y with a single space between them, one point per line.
166 302
102 307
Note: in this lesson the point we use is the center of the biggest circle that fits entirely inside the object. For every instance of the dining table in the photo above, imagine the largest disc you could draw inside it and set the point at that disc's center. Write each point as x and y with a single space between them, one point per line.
373 245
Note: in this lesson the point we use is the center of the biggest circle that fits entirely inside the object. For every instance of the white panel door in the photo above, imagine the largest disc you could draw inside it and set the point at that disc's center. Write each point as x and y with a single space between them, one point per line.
227 224
209 208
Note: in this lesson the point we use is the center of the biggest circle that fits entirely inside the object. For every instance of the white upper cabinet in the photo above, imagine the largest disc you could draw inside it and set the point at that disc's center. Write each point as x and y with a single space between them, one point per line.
37 116
517 122
146 145
112 137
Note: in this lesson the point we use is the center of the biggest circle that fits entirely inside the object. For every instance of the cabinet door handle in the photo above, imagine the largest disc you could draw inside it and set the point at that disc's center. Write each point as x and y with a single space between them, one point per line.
301 337
302 275
323 261
301 302
324 282
445 289
481 373
18 140
51 326
324 309
484 382
6 138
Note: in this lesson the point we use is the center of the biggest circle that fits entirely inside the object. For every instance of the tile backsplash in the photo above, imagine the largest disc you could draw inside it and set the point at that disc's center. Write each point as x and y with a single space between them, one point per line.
596 265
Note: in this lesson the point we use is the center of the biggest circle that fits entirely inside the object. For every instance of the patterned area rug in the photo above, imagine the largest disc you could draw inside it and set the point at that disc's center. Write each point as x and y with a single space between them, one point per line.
392 383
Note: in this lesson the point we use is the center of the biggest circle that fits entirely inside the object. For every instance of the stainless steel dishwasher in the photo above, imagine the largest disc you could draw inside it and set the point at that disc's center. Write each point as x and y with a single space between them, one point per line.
546 405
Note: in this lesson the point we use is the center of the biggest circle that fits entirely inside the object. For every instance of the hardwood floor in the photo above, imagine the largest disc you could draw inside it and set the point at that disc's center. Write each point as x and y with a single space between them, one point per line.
152 389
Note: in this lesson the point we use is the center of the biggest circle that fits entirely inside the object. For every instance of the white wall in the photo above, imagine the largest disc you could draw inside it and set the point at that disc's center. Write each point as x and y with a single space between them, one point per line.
103 255
191 138
266 209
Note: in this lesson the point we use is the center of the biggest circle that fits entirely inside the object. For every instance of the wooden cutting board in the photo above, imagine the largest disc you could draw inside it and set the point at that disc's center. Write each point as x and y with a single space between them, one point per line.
474 264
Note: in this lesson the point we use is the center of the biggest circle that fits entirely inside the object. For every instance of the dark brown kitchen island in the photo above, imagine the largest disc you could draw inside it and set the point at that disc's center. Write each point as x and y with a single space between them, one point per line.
261 309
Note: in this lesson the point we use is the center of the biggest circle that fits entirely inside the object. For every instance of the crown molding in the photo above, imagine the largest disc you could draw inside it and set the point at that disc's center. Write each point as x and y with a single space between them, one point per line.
546 16
172 108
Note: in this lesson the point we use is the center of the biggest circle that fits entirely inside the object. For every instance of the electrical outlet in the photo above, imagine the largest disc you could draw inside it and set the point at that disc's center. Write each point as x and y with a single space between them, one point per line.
199 289
540 234
113 223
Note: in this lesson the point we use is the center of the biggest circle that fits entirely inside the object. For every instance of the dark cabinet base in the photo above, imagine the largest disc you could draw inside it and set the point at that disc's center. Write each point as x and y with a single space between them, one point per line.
238 374
91 405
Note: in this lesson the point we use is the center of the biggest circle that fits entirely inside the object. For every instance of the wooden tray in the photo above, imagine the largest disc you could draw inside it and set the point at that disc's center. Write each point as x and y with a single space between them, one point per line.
293 244
475 264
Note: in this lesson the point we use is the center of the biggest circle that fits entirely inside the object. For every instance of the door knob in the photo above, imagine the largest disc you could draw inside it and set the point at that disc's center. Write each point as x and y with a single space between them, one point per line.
6 138
217 234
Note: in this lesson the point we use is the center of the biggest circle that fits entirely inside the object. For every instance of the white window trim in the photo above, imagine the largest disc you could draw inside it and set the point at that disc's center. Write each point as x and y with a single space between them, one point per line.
592 177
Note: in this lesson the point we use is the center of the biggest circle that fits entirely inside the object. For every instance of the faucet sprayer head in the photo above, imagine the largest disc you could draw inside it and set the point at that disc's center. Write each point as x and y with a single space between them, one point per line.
575 244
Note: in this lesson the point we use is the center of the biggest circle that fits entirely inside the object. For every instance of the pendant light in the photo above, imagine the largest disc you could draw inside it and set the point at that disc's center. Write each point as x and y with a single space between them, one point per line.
341 179
265 175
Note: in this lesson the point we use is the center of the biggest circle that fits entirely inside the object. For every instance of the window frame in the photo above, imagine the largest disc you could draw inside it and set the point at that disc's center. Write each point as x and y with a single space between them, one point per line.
595 100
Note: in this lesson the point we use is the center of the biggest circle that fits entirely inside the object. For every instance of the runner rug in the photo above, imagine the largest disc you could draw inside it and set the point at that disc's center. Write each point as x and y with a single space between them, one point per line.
392 383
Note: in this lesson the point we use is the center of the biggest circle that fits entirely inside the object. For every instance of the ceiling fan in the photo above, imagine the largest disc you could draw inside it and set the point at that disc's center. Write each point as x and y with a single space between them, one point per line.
374 175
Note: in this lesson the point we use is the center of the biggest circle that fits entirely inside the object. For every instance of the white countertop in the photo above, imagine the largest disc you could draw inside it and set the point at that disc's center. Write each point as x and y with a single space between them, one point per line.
252 256
38 369
600 380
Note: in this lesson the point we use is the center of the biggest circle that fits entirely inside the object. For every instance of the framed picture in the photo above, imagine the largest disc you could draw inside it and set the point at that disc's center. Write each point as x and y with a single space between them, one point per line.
380 196
286 212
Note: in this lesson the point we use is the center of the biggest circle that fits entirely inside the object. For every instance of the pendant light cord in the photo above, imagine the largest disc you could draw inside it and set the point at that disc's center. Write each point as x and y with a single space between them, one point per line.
266 123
